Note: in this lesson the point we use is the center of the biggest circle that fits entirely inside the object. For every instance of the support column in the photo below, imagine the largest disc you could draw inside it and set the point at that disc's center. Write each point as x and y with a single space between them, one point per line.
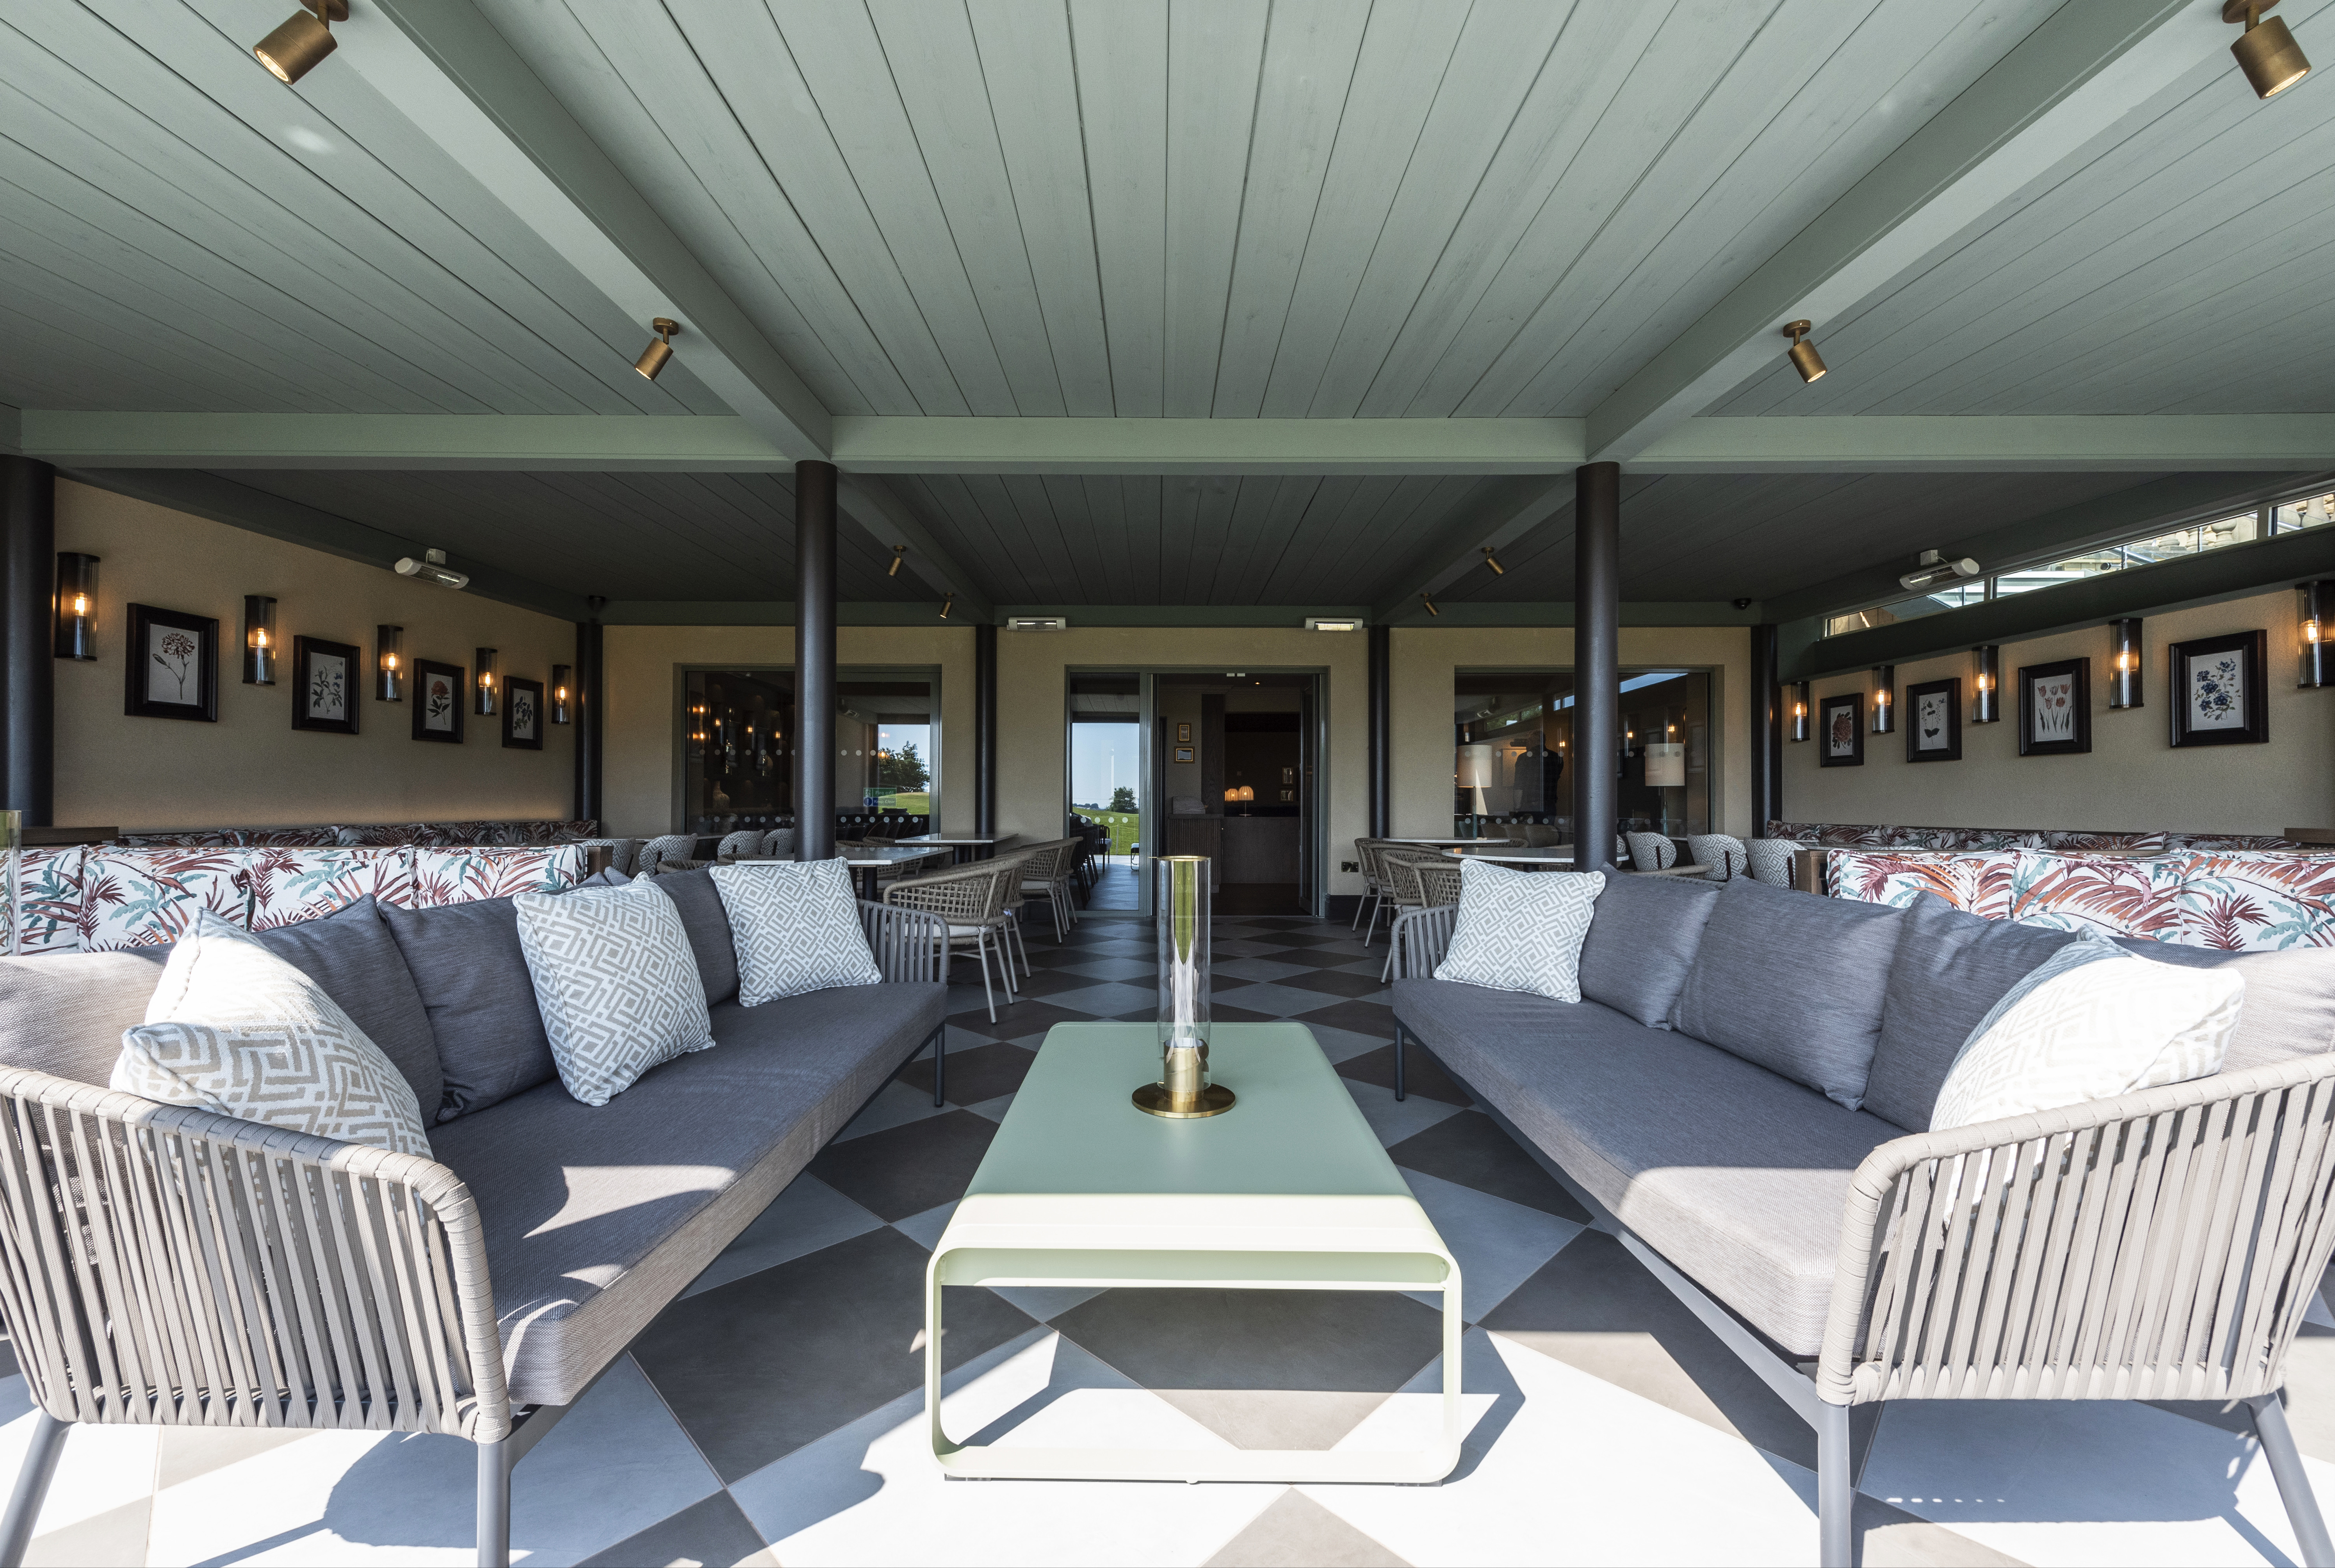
1596 661
814 661
1766 732
589 730
1381 731
984 732
28 565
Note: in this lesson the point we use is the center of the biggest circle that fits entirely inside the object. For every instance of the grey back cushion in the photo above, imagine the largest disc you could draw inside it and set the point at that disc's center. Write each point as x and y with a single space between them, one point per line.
1950 969
1642 935
2289 1006
1794 982
350 953
63 1013
708 925
473 979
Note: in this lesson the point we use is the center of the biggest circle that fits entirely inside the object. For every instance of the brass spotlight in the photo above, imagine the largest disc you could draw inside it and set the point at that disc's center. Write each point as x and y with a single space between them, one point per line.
1430 604
294 50
1493 561
653 357
1804 356
899 554
945 605
2267 52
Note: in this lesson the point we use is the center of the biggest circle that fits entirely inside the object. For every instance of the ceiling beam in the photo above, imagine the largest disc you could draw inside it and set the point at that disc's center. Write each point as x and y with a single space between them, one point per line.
875 445
1500 512
463 86
1990 443
2065 84
11 422
887 520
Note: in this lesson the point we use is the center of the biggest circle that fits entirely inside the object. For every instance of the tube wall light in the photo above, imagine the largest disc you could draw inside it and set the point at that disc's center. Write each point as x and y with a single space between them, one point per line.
389 664
563 690
258 640
2123 663
2315 635
76 605
1884 699
1795 703
484 675
1986 685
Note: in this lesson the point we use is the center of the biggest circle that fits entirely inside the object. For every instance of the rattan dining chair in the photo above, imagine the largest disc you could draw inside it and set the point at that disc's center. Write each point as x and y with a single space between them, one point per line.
1016 902
1439 881
1400 866
972 900
1048 871
1373 853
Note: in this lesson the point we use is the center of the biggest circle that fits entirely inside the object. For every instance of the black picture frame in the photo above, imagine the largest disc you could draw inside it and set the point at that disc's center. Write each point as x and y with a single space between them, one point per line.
1941 740
2216 716
1840 730
319 689
159 671
439 718
2057 722
523 718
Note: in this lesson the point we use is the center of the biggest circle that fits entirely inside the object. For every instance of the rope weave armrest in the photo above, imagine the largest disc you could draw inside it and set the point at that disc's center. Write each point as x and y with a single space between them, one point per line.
2163 1244
1422 937
909 945
165 1265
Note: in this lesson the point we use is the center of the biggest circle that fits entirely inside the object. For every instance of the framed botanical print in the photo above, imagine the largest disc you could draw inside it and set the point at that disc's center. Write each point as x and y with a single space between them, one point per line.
1933 722
523 713
2221 690
172 665
1841 728
324 677
2055 708
438 700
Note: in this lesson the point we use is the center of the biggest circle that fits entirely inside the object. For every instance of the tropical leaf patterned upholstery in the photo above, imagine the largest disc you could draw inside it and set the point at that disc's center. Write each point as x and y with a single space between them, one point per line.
1980 883
48 900
289 886
442 876
144 897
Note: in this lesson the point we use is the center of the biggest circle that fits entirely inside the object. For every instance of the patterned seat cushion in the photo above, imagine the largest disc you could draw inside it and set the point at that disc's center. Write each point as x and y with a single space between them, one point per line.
443 876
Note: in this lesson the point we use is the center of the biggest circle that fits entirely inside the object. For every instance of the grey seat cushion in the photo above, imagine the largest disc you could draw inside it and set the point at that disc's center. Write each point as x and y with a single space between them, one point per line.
1950 969
595 1218
1642 937
1736 1175
1794 982
63 1013
708 925
350 953
466 963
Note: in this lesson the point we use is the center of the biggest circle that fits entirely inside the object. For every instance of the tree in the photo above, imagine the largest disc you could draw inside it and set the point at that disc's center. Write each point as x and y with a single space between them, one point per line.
1122 798
903 768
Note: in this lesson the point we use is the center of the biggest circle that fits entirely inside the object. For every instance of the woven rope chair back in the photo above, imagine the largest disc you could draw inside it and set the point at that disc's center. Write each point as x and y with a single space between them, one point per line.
779 843
733 845
1439 881
1402 875
964 897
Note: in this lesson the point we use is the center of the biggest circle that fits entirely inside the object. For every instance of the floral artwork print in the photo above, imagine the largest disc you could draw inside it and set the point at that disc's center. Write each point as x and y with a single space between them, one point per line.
2055 707
438 703
1929 720
176 651
522 702
2217 691
328 678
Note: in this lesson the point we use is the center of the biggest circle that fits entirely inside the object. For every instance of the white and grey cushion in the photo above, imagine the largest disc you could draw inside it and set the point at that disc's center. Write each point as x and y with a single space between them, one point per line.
1651 851
1770 860
1722 852
616 982
234 1029
2091 1022
796 924
1521 930
652 855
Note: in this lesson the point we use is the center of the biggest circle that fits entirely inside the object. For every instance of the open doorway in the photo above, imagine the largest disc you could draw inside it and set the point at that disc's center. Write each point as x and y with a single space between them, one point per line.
1108 777
1232 771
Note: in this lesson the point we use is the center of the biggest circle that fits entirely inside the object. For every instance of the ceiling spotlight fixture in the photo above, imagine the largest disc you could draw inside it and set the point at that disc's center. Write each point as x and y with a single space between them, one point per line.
1430 604
295 49
1804 356
1493 561
899 554
653 357
2267 52
432 569
945 605
1933 568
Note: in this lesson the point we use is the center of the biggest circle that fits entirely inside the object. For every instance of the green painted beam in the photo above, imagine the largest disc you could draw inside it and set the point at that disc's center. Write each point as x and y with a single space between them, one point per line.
1500 513
865 500
1922 443
868 444
1560 613
540 443
12 429
768 613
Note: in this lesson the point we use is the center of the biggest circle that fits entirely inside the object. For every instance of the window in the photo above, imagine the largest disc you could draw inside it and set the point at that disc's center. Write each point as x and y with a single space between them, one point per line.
738 747
1513 733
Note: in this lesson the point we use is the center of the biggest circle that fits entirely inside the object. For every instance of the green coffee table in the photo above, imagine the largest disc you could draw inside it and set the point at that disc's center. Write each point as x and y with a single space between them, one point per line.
1289 1191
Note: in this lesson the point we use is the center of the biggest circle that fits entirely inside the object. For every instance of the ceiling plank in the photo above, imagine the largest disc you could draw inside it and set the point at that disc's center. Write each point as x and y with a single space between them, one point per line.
888 520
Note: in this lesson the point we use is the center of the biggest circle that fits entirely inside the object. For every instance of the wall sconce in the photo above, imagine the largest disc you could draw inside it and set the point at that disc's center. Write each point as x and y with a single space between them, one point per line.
389 664
486 680
560 691
1884 699
1797 705
2315 611
2123 663
258 640
76 605
1986 685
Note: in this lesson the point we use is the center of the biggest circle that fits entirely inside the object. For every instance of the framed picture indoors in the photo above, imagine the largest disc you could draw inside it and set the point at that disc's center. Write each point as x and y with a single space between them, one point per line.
1183 735
325 678
2221 690
438 700
1183 753
2055 708
523 713
1933 722
173 666
1842 730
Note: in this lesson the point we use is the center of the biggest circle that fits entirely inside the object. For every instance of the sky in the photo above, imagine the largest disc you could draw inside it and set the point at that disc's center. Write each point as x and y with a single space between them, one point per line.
1103 755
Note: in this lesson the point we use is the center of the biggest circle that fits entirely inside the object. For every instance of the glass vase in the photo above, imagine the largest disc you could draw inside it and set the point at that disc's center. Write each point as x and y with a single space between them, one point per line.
1185 1088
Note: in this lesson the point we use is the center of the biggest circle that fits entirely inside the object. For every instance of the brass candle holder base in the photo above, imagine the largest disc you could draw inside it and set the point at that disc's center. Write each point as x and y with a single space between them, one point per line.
1154 1099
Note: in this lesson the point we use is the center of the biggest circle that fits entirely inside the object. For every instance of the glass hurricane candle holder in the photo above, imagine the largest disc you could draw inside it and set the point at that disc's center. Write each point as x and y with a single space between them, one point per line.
1185 1090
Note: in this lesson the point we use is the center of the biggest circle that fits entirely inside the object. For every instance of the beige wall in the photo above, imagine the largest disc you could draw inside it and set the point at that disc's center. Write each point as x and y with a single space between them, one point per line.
2132 780
1426 661
643 675
252 769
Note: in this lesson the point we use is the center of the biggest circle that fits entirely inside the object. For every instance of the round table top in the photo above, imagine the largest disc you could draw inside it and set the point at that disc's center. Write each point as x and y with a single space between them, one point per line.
1517 854
863 855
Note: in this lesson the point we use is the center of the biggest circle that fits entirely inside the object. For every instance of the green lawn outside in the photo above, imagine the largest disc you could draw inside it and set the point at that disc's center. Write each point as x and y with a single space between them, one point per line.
1122 827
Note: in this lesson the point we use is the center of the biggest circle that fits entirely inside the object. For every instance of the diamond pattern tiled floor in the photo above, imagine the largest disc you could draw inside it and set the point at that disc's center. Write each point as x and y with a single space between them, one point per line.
773 1414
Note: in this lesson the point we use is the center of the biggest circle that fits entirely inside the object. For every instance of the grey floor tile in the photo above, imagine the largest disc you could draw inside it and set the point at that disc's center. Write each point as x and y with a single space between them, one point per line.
758 1367
1372 1018
1273 999
904 1170
710 1534
1886 1536
1035 1016
1472 1150
1262 1369
1106 998
1420 1075
979 1072
893 1105
1052 982
1338 1044
1297 1532
1134 970
1338 983
1393 1119
1256 968
807 1215
187 1452
994 1109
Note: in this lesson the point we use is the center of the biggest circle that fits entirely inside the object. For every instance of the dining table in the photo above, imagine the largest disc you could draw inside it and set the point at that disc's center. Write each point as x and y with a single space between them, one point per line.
963 846
867 862
1527 856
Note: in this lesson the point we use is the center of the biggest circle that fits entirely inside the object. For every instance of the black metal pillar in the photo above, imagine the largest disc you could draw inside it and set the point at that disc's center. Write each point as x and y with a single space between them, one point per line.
1381 731
589 688
1766 732
814 661
1596 661
984 732
28 564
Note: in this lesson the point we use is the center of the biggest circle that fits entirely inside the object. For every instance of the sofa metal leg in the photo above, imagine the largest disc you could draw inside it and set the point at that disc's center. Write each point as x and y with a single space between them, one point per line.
32 1489
2293 1483
940 1063
494 1506
1399 1092
1836 1494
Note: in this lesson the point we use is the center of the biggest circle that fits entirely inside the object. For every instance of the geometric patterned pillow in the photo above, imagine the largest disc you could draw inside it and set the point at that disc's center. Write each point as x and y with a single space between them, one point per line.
616 982
795 926
1521 930
236 1030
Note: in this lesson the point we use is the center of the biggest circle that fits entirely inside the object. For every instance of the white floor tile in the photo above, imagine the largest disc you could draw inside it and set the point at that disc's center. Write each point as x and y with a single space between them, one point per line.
1499 1244
1277 1000
101 1469
807 1215
871 1494
1396 1120
925 1229
1344 1044
1104 999
895 1105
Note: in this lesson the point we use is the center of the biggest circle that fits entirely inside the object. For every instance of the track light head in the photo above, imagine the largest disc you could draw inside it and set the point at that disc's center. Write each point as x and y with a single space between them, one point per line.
2266 52
1493 561
1430 604
945 605
899 554
432 569
296 48
653 357
1803 355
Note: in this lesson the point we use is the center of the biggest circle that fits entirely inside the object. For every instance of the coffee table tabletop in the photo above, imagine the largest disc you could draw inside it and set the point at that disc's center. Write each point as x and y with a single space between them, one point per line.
1289 1190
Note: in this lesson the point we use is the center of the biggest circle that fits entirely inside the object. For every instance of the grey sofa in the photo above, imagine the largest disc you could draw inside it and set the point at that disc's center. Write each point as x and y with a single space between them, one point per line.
1743 1097
166 1265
